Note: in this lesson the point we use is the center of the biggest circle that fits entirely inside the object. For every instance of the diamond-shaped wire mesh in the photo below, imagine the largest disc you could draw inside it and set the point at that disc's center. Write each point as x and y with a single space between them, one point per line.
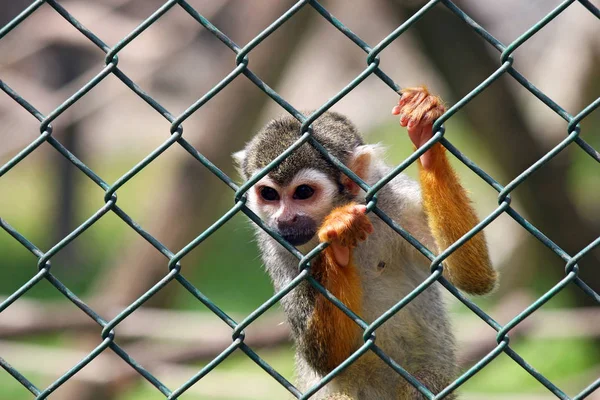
173 258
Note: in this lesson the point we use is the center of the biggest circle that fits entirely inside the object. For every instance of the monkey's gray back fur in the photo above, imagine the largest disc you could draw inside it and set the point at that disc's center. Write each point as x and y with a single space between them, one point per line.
419 336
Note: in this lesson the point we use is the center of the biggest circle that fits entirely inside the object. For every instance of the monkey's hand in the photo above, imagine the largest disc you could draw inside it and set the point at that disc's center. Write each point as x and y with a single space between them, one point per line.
343 229
418 110
449 210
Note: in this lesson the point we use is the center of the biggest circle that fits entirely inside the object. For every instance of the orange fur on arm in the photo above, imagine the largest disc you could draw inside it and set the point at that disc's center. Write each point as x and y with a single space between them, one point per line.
450 216
336 334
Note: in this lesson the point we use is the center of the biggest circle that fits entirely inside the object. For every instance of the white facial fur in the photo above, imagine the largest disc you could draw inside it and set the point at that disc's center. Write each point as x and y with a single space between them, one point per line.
316 207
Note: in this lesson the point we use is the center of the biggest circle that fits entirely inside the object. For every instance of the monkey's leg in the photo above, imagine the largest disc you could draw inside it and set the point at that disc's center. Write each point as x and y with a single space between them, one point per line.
337 335
445 201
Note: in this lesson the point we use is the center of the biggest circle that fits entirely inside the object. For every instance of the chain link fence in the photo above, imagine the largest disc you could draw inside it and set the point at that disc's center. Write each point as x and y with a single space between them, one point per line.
173 271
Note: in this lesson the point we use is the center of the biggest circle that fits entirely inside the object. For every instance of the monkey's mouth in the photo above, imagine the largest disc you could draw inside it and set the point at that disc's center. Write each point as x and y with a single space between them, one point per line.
299 230
298 238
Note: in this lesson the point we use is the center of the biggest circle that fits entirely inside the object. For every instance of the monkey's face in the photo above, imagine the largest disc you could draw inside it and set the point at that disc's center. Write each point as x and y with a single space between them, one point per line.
298 193
295 210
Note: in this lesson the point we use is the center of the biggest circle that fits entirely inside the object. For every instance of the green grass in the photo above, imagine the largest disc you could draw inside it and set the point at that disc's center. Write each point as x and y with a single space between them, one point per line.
562 361
559 360
242 371
10 389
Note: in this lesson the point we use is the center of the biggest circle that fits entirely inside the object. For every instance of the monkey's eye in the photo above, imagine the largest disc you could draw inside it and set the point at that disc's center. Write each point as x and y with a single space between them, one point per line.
303 192
269 193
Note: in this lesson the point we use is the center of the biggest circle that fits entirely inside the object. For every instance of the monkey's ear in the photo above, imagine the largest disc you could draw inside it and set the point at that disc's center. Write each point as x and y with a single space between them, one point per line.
238 160
361 163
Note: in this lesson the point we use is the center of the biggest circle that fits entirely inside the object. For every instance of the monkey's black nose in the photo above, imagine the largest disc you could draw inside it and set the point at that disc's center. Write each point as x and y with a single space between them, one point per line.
298 230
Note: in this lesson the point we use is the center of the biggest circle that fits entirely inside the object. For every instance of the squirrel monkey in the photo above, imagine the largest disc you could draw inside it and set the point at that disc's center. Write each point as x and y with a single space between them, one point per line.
367 266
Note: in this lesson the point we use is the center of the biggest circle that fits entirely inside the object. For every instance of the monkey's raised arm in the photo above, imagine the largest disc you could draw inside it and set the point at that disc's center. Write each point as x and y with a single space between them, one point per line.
448 208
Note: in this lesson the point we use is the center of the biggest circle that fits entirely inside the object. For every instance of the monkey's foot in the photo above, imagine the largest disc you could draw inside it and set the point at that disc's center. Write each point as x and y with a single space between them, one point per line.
344 228
418 110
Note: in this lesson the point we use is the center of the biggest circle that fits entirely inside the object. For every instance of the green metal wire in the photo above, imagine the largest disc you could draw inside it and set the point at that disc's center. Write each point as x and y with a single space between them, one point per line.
240 62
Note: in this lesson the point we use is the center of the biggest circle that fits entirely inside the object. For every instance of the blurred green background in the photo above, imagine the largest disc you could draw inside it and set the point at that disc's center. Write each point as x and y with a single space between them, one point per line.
110 130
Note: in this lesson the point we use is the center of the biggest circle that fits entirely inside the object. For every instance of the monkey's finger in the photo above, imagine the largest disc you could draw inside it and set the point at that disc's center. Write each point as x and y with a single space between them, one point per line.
365 230
414 103
331 234
404 120
397 110
404 98
363 223
359 209
433 114
341 254
415 133
408 94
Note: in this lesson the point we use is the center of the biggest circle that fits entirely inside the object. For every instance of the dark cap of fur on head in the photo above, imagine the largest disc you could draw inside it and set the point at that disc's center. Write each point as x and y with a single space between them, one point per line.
334 131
